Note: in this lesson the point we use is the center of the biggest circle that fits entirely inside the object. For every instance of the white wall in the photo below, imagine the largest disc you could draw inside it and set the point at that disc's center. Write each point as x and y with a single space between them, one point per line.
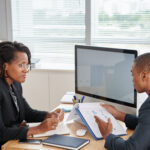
43 89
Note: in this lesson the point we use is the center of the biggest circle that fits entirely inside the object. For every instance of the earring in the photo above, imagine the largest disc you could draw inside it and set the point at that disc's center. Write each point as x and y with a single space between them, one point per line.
6 74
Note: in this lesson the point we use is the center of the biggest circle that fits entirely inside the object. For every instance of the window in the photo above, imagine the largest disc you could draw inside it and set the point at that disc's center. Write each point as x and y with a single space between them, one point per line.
125 21
51 28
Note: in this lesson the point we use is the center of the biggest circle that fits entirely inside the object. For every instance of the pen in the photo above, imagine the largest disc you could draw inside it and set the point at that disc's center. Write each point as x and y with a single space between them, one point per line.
82 99
75 97
74 101
78 100
58 116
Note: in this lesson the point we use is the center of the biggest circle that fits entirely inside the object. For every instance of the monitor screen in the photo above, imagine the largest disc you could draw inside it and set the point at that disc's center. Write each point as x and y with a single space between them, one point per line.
105 73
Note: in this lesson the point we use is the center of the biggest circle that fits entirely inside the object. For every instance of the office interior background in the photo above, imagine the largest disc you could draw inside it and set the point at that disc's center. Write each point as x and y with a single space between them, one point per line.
51 28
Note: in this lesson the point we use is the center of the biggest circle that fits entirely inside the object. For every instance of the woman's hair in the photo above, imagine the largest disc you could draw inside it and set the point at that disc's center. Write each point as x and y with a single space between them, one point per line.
7 53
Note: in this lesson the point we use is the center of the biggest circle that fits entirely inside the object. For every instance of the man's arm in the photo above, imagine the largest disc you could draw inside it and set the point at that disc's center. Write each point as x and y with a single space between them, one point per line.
138 141
130 120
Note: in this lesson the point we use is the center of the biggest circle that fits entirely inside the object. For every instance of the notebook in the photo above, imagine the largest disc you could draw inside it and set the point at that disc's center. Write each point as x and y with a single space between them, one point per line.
86 112
67 142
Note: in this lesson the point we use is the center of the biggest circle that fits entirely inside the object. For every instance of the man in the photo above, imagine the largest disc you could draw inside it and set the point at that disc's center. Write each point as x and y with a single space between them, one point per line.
140 140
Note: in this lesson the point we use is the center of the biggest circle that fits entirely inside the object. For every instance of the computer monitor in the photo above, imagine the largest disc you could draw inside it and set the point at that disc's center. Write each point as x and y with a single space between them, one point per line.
105 74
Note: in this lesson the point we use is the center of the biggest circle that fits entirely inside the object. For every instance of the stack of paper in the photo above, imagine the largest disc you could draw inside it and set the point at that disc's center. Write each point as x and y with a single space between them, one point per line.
67 98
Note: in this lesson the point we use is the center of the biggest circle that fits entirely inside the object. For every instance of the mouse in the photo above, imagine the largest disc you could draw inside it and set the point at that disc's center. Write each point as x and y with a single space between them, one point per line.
81 132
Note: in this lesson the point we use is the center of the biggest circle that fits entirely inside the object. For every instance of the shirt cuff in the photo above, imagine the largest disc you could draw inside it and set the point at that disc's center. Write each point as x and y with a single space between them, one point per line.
108 141
125 118
23 132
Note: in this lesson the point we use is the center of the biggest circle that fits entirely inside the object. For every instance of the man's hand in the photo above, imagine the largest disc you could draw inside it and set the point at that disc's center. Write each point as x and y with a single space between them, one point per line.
105 128
116 113
58 113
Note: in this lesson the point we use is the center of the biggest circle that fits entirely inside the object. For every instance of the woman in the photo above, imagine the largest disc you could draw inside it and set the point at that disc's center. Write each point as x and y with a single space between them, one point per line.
15 60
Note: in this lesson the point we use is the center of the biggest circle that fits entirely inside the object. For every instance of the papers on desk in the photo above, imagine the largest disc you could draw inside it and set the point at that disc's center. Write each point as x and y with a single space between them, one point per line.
61 129
86 112
67 98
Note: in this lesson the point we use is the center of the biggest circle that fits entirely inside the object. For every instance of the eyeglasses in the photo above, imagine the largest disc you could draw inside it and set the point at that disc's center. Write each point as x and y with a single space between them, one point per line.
24 66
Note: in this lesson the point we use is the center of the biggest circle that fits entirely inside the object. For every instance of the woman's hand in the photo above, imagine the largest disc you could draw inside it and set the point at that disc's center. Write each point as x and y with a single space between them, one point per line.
116 113
58 113
46 125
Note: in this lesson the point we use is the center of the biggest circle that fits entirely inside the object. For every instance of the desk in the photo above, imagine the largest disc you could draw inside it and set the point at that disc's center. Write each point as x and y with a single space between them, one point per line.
73 126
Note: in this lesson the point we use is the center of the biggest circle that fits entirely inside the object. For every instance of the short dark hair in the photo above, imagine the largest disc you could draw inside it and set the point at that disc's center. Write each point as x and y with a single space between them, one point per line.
7 53
142 62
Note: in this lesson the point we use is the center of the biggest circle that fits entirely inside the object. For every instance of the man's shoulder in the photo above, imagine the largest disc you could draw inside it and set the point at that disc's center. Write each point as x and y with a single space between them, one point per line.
144 111
146 104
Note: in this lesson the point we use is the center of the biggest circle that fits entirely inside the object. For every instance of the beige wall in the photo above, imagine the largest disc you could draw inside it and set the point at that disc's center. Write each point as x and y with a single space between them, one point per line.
43 89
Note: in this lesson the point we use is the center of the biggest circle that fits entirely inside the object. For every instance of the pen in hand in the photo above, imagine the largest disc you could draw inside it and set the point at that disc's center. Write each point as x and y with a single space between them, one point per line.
60 115
23 124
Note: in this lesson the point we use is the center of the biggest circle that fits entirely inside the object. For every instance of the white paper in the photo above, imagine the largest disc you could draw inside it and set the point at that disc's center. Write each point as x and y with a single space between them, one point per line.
73 114
61 129
67 98
70 93
88 110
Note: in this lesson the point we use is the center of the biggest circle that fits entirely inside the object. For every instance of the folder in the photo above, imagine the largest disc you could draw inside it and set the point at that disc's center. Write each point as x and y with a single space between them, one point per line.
86 112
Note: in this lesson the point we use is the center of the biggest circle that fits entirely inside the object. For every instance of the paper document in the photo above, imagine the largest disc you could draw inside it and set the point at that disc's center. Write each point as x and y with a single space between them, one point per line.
86 111
61 129
67 98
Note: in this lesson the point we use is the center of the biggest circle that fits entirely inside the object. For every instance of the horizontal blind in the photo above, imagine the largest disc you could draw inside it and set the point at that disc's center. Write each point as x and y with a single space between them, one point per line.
50 28
125 21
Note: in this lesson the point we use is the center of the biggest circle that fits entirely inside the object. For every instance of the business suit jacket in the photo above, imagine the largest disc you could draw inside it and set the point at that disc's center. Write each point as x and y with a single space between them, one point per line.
9 116
140 140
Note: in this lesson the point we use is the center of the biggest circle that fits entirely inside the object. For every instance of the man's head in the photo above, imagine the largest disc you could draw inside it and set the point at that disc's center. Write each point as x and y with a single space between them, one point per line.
141 73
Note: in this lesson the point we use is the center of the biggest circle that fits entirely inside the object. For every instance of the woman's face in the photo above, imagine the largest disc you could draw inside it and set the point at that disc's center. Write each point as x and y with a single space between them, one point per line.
17 69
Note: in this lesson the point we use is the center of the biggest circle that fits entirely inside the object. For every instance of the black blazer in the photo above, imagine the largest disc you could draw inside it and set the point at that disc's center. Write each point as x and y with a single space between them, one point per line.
9 116
140 139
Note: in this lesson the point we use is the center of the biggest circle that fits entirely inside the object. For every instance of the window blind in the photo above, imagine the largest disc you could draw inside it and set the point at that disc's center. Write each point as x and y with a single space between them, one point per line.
50 28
